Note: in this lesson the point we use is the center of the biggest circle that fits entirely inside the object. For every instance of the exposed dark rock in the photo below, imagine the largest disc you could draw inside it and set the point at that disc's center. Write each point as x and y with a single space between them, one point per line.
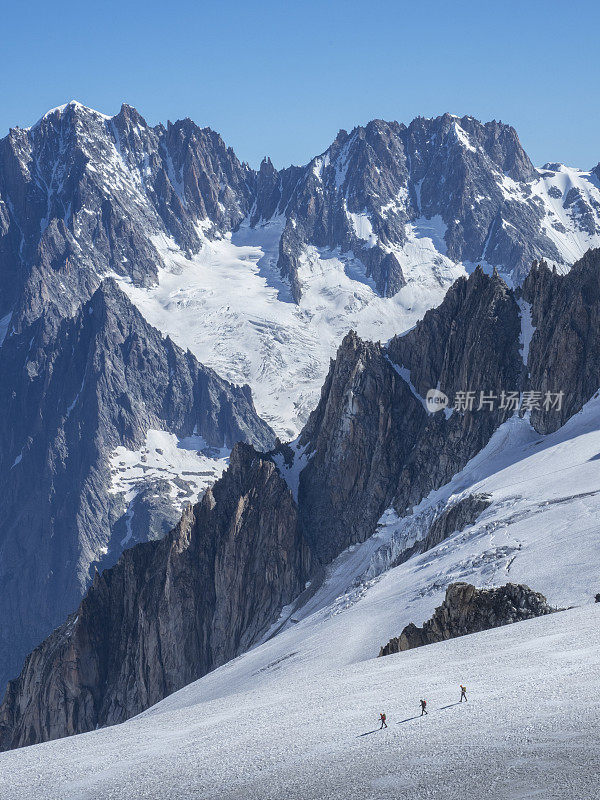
69 396
368 444
83 196
468 610
357 440
456 518
445 167
168 612
469 343
564 355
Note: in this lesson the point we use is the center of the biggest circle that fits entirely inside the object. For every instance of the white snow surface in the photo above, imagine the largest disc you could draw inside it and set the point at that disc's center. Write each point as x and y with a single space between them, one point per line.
71 104
529 730
563 222
296 717
423 257
164 456
363 228
4 323
290 470
230 307
463 137
563 225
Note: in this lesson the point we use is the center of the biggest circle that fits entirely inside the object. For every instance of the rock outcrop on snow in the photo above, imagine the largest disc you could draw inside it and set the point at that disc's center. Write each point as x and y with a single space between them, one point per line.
453 519
469 610
168 611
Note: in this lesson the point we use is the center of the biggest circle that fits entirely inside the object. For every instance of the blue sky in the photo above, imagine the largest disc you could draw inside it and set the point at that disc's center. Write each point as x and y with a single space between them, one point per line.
282 78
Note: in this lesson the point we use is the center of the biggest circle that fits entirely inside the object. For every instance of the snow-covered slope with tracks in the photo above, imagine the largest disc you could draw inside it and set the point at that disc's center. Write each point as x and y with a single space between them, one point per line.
296 716
529 730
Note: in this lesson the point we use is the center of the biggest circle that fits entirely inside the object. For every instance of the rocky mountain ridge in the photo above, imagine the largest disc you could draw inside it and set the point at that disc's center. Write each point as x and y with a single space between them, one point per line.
169 611
76 393
115 428
86 380
377 188
83 195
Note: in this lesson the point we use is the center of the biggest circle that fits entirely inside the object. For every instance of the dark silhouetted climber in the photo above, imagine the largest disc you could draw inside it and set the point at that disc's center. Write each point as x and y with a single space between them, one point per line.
423 707
383 722
463 693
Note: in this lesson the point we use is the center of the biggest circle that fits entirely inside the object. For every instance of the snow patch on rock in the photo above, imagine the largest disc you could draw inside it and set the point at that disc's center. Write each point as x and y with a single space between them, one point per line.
188 464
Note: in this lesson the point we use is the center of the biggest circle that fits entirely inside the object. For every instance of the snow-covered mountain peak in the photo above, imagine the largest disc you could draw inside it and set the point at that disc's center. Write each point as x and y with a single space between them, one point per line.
72 108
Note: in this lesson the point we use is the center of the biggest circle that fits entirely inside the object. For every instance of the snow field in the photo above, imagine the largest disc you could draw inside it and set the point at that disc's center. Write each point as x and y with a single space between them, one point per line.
529 730
230 307
296 716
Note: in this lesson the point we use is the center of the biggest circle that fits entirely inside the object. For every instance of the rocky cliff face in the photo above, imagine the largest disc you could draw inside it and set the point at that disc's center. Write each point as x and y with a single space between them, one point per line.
168 611
82 195
371 443
469 344
356 441
564 355
469 610
86 380
356 446
71 395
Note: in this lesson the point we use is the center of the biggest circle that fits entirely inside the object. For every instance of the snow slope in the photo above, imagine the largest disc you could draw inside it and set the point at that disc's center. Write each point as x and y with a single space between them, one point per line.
230 307
295 717
530 728
570 201
541 529
569 196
